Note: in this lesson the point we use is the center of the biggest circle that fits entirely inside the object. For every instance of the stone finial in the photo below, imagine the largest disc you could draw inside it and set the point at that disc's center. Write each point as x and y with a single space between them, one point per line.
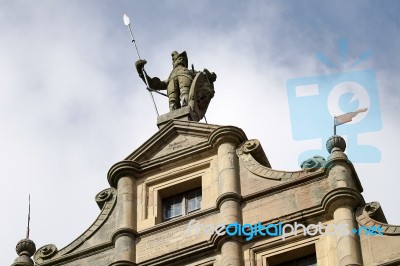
25 250
336 143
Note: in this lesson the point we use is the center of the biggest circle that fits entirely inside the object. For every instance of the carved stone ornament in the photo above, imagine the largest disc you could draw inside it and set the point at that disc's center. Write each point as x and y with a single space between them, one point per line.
104 196
313 163
45 252
248 146
200 94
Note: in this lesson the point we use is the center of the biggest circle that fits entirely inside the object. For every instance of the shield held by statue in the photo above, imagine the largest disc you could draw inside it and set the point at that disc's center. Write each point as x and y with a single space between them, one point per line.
200 94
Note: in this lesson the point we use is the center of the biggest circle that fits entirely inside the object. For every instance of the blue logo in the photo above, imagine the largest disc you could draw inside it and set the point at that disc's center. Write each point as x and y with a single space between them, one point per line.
315 100
279 229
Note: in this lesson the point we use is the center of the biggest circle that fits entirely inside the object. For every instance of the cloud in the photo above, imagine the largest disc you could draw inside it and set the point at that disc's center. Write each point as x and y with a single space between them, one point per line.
71 104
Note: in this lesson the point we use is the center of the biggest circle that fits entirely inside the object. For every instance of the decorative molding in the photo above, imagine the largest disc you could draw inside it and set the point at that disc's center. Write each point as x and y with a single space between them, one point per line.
146 159
246 152
118 170
46 252
313 164
123 232
226 134
343 196
123 263
104 196
228 196
373 209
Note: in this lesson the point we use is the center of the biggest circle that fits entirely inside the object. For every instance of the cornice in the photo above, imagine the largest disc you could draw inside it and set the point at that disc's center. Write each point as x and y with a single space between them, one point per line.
123 263
213 136
123 232
225 134
120 169
228 196
339 197
174 127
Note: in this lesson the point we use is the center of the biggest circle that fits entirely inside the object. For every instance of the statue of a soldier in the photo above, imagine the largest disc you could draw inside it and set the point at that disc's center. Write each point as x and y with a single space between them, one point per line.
179 83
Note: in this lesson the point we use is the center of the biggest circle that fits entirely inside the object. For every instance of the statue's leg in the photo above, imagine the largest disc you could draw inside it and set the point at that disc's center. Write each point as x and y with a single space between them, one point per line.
184 87
173 95
184 96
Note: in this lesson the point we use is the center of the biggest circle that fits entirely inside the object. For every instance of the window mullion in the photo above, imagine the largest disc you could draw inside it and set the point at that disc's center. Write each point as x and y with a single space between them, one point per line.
184 204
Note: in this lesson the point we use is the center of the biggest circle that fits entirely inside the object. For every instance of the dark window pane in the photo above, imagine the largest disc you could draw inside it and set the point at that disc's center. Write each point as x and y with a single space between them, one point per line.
173 206
304 261
312 260
194 200
290 263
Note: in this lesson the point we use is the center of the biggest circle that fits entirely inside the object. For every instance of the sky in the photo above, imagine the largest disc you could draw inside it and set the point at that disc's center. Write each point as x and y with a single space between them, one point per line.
72 105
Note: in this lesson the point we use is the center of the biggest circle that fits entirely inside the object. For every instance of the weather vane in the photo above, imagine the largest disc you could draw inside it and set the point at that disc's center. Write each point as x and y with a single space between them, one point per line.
345 118
127 23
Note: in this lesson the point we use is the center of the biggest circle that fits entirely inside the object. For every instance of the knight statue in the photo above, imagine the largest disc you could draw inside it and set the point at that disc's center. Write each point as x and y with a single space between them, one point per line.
185 87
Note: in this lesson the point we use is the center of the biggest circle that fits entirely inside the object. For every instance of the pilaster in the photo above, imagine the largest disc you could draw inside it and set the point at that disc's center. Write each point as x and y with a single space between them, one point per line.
344 201
229 196
122 175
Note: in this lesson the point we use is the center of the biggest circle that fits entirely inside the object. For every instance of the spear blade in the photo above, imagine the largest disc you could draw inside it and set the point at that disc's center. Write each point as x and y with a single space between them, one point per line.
126 20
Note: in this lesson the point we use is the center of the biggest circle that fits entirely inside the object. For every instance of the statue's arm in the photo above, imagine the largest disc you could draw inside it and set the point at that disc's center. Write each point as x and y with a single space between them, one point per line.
154 83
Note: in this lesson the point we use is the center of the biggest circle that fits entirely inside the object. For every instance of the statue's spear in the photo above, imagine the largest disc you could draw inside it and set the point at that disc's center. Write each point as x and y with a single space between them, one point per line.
127 23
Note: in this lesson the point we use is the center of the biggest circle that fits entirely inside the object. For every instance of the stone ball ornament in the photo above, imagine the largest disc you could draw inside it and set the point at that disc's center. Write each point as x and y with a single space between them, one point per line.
335 142
26 246
25 249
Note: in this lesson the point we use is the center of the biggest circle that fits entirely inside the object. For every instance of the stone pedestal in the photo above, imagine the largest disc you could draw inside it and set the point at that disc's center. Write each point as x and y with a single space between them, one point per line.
183 114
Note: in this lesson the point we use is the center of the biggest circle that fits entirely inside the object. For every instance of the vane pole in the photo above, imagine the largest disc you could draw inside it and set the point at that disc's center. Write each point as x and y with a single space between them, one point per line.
29 217
334 125
127 23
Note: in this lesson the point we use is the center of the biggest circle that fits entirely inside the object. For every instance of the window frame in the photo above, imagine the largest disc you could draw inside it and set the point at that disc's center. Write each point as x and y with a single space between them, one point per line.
184 204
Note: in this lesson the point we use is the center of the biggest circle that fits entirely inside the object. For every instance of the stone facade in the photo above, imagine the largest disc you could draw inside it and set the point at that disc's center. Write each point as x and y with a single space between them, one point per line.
237 185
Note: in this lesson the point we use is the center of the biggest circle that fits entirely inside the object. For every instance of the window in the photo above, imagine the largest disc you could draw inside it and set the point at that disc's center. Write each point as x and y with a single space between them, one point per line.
298 255
182 204
310 260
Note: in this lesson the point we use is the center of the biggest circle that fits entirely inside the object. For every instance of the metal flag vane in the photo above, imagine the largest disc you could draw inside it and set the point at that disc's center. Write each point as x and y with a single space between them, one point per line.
29 217
127 23
345 118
